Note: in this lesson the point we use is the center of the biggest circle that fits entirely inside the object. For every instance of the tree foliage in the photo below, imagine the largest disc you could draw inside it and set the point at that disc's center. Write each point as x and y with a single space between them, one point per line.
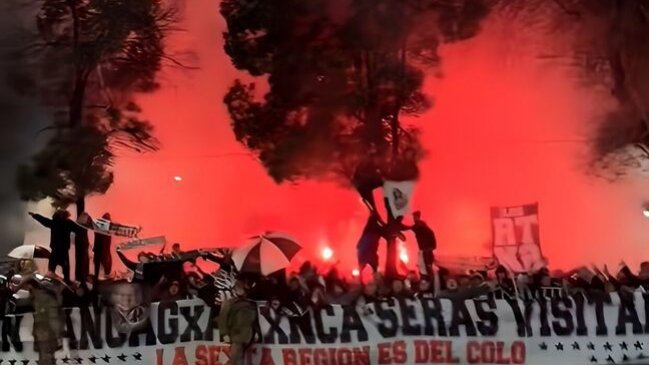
340 75
607 42
86 61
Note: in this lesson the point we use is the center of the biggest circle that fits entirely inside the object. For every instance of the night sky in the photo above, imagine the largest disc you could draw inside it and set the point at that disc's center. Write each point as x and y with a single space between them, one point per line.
507 128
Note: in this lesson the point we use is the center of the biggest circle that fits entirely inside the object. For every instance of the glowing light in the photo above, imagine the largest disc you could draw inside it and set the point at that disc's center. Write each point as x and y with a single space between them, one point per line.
403 252
645 212
404 256
178 178
356 272
327 253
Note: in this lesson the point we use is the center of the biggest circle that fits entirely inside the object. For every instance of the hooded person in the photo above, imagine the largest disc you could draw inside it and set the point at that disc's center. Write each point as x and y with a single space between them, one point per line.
102 256
60 227
236 322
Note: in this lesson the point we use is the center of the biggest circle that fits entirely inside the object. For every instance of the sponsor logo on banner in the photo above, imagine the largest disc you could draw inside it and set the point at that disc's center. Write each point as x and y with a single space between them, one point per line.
563 330
516 242
399 195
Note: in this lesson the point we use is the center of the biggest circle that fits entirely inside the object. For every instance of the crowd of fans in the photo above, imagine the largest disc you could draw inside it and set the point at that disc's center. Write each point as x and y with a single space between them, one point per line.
177 275
309 288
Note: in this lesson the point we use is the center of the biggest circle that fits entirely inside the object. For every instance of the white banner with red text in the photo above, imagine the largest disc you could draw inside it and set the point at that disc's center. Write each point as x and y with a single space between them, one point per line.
572 330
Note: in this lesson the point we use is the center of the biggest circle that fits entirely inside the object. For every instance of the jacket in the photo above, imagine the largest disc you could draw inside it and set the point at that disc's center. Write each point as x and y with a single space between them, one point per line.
60 230
237 320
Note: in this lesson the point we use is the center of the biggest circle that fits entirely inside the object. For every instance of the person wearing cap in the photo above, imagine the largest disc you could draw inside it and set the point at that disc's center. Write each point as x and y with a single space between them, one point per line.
427 244
236 322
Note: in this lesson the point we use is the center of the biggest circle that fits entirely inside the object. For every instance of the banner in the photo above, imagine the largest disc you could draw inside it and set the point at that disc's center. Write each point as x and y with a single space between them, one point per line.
516 242
571 330
106 227
160 240
399 195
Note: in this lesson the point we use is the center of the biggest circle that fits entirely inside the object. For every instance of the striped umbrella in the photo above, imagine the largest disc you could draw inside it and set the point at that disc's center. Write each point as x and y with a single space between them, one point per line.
266 253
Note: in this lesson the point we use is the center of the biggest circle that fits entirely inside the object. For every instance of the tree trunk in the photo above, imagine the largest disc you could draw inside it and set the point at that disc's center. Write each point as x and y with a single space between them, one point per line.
391 258
81 205
76 102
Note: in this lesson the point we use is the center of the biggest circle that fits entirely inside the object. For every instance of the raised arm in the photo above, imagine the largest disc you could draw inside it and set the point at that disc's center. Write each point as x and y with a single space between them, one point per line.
42 220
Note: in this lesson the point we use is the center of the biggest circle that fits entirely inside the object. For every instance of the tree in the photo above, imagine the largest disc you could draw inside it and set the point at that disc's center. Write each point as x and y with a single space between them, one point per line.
87 60
606 41
613 49
340 76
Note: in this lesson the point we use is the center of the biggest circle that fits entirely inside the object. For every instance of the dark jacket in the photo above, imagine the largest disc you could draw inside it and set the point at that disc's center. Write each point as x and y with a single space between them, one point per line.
81 257
60 230
102 243
425 236
236 319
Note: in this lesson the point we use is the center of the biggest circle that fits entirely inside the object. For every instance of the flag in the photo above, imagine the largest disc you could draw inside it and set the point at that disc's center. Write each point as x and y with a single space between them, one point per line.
107 227
160 240
516 242
399 195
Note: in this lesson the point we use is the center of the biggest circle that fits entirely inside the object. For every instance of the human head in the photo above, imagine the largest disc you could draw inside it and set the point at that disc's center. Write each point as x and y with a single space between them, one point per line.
424 284
61 214
143 257
412 276
307 269
464 280
416 216
106 216
370 289
476 279
294 283
27 266
175 247
644 270
451 284
622 275
545 280
174 288
125 296
501 273
14 282
275 303
384 289
240 289
397 286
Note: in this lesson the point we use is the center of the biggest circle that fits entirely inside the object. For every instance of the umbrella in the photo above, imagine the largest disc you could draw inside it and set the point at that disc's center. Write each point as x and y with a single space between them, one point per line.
265 254
27 252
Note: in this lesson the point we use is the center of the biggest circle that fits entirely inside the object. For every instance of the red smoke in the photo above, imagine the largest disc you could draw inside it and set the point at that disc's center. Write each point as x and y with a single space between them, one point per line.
505 130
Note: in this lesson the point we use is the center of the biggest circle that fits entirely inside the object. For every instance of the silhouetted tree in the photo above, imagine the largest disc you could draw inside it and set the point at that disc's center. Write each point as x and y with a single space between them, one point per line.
607 42
87 60
340 75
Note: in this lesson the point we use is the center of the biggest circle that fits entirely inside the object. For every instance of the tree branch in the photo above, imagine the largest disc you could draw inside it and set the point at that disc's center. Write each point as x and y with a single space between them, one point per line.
566 10
178 63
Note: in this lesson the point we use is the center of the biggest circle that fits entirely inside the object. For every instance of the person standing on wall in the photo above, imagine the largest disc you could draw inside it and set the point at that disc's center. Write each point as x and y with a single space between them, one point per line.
60 229
102 254
426 242
81 253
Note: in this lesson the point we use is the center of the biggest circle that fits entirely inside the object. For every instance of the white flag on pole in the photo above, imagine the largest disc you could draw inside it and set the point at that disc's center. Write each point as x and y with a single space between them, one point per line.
399 195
